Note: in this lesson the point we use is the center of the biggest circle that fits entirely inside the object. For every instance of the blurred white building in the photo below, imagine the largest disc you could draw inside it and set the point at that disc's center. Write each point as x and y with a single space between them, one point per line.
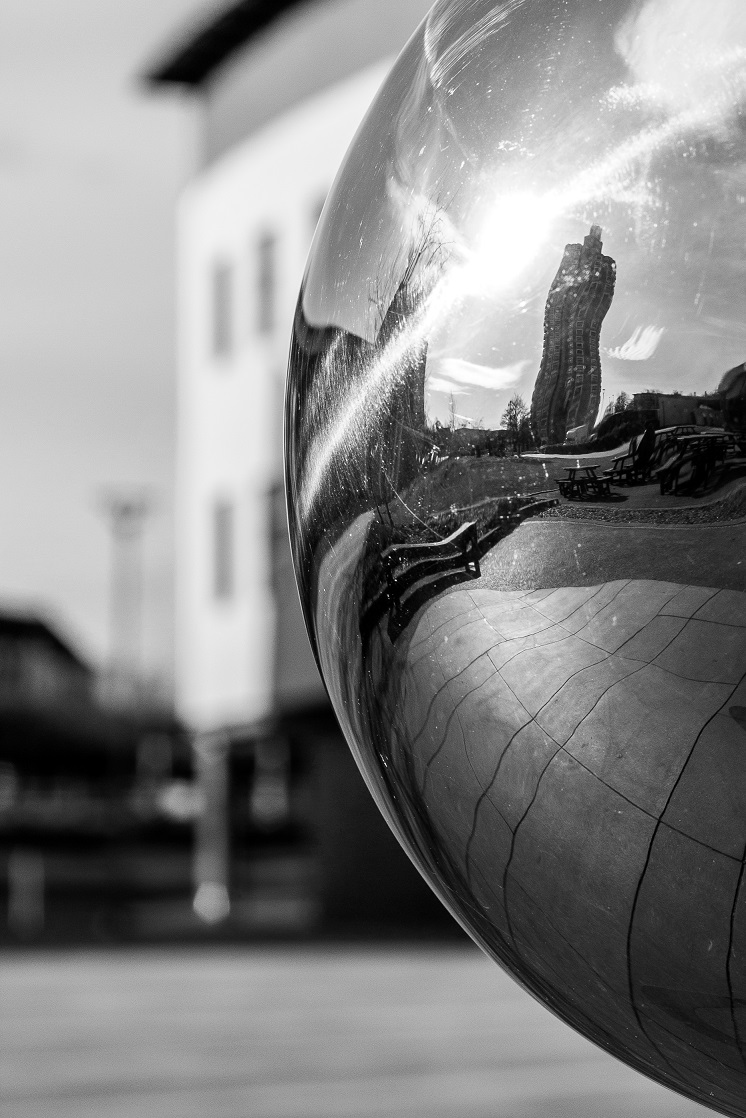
283 87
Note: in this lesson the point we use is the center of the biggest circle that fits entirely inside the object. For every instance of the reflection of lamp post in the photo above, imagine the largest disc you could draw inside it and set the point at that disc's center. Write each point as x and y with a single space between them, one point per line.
126 511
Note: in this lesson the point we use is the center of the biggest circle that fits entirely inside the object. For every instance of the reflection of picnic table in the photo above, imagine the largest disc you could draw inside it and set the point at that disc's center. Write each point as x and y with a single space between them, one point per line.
665 443
406 564
623 470
692 459
579 481
634 465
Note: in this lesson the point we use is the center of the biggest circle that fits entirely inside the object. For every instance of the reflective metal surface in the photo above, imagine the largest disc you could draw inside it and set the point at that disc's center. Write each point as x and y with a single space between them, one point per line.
540 662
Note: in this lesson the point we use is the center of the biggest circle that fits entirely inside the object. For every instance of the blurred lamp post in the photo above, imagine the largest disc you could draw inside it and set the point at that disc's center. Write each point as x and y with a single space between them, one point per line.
211 850
126 511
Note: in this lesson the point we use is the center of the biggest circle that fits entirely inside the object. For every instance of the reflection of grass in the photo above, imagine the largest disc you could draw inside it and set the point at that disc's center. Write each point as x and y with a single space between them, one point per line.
488 515
466 481
488 491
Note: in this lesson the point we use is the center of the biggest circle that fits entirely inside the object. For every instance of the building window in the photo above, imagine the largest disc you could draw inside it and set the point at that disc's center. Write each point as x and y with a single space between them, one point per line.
266 283
223 554
222 309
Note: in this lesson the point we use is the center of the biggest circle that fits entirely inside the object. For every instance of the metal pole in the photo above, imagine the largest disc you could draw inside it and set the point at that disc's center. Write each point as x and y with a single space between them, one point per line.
126 512
211 848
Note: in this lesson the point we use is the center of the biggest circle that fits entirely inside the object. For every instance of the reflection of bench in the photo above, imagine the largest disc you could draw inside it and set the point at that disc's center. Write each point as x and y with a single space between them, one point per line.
407 565
692 462
404 577
635 465
665 443
623 471
408 575
681 469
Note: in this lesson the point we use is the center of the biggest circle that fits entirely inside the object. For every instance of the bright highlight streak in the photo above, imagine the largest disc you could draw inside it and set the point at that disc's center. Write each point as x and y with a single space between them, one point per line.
363 404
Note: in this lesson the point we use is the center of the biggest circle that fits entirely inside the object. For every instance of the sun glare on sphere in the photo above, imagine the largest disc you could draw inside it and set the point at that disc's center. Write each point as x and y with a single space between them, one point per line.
508 239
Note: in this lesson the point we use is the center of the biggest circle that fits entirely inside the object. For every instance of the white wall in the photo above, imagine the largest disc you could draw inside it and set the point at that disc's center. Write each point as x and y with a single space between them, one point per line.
230 416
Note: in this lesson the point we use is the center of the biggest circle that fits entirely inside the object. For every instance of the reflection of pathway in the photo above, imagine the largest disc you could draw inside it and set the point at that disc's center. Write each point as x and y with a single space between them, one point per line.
576 751
582 553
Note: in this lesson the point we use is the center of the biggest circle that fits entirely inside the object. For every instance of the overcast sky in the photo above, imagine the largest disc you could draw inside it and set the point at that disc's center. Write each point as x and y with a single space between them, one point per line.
90 167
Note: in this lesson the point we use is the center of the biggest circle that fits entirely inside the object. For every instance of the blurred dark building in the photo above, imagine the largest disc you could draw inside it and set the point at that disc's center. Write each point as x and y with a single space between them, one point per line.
95 806
568 388
288 838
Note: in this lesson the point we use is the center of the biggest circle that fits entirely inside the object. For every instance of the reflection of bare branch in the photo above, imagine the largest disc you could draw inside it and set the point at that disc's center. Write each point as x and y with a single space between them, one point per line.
418 264
381 419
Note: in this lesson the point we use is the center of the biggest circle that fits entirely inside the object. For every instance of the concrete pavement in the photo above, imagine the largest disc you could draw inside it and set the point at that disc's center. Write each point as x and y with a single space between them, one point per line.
312 1033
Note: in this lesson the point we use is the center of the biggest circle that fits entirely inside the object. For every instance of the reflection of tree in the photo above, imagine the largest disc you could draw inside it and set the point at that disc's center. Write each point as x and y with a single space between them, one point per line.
620 404
400 441
517 423
355 408
420 265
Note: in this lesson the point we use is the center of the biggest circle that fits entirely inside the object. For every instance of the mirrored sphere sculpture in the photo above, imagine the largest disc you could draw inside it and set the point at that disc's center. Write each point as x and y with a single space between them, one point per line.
516 465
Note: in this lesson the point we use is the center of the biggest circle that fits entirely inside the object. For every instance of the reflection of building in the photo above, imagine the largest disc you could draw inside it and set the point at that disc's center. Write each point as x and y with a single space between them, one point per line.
672 409
281 98
732 393
568 388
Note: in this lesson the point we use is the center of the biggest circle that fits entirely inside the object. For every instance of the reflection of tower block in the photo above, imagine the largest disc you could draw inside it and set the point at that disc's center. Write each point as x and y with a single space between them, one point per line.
402 435
568 388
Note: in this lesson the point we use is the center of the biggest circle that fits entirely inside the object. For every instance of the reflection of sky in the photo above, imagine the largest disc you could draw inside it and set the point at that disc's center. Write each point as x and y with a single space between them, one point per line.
505 131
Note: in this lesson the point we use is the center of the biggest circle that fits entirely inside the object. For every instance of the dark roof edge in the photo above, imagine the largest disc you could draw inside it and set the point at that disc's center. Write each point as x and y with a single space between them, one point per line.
200 52
17 623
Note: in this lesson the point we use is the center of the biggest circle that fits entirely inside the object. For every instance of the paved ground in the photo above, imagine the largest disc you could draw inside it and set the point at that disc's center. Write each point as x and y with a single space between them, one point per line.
313 1033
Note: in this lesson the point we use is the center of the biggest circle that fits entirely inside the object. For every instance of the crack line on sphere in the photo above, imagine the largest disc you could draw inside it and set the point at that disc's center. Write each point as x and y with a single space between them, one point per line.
638 890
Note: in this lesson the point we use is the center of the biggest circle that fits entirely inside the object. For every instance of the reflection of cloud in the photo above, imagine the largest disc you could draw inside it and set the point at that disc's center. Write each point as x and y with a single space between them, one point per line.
452 373
683 53
641 346
437 384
